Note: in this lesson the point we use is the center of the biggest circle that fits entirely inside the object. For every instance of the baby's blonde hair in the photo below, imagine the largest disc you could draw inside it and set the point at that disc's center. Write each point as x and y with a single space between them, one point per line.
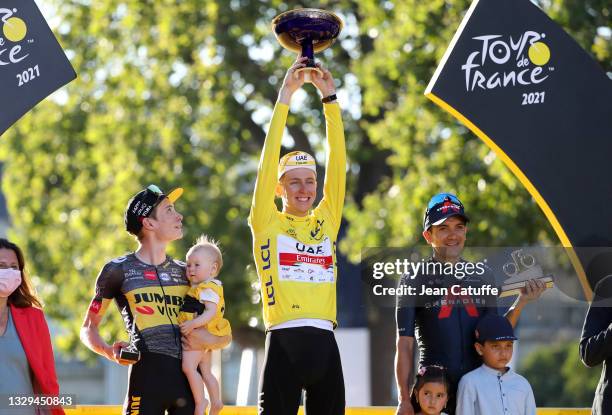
211 246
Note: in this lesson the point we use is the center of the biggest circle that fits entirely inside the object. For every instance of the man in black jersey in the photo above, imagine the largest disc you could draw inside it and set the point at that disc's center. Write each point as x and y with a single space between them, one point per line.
443 328
148 287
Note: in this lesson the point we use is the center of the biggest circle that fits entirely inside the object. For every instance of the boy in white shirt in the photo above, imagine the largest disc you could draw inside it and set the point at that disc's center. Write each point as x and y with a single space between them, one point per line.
494 388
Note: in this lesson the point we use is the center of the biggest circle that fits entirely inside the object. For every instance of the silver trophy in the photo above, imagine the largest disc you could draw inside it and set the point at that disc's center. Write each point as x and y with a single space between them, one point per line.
521 269
130 353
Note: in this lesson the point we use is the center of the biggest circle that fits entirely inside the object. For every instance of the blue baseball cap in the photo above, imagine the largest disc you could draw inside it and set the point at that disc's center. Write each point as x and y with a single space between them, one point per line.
494 327
441 207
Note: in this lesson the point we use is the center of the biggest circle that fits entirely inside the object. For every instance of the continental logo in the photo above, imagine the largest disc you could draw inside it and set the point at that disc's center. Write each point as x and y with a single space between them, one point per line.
502 61
13 42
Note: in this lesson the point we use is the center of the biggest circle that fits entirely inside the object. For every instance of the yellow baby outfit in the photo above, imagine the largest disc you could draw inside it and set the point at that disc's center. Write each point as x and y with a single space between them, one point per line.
212 291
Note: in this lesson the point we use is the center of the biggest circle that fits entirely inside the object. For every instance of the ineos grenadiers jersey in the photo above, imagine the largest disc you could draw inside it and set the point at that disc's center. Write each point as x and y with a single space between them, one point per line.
444 325
149 298
296 256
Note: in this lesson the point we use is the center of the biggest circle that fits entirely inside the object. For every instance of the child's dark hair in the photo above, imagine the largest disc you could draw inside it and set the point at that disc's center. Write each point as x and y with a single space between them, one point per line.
427 374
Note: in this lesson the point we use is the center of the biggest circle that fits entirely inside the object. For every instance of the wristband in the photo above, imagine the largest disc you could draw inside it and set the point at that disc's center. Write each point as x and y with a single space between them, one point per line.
329 98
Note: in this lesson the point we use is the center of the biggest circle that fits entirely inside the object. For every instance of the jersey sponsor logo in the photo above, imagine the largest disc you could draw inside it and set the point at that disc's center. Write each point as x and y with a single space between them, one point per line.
164 276
449 302
315 250
267 263
134 405
265 255
164 304
95 306
296 259
150 275
260 404
145 310
270 291
157 298
133 274
317 230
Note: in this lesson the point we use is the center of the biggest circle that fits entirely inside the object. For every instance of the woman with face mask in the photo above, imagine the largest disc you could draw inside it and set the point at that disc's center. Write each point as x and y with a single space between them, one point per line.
26 355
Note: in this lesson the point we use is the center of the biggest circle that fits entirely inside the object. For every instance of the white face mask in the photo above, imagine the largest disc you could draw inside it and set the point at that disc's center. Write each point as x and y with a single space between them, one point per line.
10 279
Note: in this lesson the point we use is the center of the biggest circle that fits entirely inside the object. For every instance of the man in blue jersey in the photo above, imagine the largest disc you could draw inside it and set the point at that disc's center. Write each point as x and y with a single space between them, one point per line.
444 327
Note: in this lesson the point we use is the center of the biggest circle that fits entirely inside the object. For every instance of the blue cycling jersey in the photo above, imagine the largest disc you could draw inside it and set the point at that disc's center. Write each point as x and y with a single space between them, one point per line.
444 324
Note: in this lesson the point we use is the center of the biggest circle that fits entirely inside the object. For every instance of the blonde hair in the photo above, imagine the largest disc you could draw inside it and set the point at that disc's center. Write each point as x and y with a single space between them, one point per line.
211 246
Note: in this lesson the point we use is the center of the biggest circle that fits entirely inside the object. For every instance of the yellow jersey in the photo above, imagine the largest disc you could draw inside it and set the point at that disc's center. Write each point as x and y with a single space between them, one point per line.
296 256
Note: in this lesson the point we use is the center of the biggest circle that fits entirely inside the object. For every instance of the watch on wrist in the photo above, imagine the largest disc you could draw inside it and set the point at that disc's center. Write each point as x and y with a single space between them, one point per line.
329 98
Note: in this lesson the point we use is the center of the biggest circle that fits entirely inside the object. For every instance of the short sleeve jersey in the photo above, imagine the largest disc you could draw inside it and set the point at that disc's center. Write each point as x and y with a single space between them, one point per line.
444 325
149 298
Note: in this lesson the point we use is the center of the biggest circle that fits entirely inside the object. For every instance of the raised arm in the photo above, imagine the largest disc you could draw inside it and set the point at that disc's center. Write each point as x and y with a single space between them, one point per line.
262 206
531 292
334 187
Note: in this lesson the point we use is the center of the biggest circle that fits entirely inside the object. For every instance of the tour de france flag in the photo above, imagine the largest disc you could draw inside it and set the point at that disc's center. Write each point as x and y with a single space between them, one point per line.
32 63
543 105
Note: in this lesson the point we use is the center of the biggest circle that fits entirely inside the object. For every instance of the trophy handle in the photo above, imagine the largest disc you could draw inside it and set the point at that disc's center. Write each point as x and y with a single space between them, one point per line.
308 51
308 73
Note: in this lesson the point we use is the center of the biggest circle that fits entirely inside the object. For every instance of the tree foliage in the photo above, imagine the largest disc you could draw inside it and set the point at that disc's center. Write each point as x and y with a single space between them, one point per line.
179 93
558 378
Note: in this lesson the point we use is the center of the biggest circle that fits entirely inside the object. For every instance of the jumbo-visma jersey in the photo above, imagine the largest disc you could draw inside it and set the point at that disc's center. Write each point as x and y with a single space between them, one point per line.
149 298
296 256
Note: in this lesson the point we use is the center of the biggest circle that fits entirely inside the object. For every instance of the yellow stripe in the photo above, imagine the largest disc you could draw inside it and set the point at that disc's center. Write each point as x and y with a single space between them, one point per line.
588 293
251 410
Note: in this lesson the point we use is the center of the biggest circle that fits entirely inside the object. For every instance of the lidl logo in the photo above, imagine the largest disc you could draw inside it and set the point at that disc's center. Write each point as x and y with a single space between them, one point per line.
499 61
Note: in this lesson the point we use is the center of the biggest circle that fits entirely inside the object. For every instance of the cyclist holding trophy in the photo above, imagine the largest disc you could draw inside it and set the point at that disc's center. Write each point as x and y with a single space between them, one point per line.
294 250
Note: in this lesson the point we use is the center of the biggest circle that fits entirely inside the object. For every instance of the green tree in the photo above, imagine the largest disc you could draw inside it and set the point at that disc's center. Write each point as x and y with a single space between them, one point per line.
180 94
558 377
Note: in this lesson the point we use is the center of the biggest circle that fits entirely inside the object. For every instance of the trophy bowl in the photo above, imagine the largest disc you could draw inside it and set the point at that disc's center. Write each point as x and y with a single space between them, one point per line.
307 31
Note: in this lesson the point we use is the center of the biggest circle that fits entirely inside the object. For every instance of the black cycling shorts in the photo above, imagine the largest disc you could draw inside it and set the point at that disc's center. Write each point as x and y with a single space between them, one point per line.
301 358
157 384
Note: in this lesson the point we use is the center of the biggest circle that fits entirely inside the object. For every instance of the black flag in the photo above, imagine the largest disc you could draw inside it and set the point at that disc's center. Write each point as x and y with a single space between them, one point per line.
32 63
528 90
